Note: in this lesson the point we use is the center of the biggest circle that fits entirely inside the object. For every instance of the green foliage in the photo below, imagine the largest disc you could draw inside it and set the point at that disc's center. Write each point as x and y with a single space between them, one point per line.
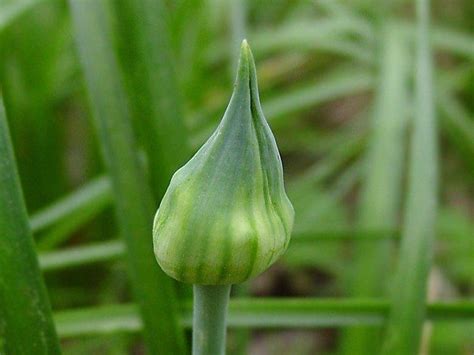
380 200
354 99
260 313
26 325
404 326
132 194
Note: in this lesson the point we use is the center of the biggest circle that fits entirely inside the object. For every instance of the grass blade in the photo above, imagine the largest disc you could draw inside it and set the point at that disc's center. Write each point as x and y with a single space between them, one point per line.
96 194
380 197
82 255
26 321
258 313
152 288
153 87
408 306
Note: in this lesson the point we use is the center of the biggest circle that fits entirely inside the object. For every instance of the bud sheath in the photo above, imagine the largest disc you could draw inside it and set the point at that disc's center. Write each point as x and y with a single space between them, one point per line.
225 216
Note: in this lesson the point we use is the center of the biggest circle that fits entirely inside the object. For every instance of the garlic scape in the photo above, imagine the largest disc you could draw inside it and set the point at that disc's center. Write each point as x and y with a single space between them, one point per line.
226 216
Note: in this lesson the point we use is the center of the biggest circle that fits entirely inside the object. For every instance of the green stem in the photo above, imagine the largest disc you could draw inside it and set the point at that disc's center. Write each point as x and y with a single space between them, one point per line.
209 322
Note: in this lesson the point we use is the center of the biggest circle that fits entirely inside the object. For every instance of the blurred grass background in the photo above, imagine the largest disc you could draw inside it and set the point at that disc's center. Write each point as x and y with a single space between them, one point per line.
337 84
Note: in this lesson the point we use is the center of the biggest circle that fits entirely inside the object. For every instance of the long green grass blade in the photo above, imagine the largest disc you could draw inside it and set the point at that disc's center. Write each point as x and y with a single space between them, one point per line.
69 213
133 197
26 324
380 197
258 313
408 306
62 231
153 87
94 195
81 255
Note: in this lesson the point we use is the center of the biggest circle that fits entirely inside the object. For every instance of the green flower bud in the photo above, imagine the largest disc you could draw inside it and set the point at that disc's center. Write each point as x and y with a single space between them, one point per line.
225 216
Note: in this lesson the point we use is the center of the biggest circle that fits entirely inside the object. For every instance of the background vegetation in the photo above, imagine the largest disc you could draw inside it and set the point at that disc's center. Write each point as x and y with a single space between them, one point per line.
372 111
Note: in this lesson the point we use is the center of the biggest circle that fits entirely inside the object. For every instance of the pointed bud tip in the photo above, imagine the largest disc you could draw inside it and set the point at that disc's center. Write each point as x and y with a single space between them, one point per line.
243 65
244 49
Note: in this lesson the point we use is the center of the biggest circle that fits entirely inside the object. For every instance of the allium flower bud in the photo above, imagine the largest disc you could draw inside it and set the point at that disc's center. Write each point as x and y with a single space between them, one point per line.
225 216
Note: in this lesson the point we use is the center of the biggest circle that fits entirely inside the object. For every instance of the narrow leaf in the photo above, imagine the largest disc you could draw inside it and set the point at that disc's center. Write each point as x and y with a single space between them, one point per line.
258 313
133 197
408 308
96 194
26 321
379 204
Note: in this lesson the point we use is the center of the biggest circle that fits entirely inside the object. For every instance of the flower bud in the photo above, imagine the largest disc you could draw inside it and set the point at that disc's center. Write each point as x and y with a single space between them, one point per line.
225 216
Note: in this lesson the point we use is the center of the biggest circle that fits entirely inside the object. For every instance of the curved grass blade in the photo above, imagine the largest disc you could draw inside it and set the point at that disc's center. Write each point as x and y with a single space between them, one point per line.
133 196
26 313
95 194
408 308
66 215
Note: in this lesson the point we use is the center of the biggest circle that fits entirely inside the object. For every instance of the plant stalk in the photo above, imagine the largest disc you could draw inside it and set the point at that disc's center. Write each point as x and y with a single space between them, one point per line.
209 319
